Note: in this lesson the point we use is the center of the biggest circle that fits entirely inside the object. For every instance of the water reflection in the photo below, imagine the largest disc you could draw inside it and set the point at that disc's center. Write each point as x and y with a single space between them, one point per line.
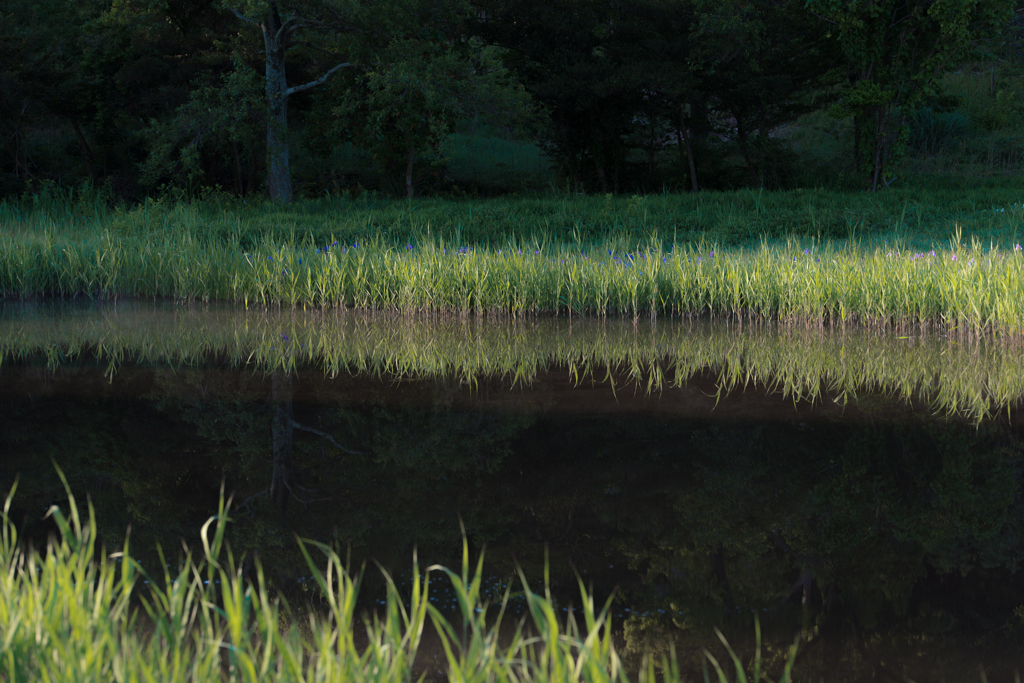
890 538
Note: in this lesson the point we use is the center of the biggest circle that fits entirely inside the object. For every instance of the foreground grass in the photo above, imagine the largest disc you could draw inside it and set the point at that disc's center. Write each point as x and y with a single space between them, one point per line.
66 617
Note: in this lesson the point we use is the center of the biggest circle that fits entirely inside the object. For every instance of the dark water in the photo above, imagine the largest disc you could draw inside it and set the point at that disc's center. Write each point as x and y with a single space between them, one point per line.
891 538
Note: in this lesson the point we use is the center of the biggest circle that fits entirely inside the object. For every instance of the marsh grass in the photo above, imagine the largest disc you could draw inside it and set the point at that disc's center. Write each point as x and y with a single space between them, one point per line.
74 614
961 285
957 373
809 256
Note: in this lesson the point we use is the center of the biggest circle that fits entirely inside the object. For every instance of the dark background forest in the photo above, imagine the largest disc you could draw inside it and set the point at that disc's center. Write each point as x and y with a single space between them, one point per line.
304 98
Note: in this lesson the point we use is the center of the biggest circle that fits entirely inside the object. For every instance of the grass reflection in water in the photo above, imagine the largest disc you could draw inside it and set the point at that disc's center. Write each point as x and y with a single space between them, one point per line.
958 373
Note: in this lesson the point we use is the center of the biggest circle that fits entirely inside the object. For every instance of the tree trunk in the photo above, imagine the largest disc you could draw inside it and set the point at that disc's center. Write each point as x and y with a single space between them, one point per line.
718 566
84 146
879 156
250 179
282 429
408 172
652 154
744 141
857 165
279 179
12 151
238 168
685 141
602 178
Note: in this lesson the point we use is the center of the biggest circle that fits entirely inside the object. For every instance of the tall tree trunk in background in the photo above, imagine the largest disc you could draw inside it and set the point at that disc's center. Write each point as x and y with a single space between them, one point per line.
250 179
718 567
602 178
408 172
12 151
282 428
276 33
857 120
238 168
652 154
684 141
83 144
744 140
279 179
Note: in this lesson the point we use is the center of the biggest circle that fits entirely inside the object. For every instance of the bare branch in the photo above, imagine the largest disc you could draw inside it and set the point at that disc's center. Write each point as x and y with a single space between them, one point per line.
313 84
285 30
303 427
242 16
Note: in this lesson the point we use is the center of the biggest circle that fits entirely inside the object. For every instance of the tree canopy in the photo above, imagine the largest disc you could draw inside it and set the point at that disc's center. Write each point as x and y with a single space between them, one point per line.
141 95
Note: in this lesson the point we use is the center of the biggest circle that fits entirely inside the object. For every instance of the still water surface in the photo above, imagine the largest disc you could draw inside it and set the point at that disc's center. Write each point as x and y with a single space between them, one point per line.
861 487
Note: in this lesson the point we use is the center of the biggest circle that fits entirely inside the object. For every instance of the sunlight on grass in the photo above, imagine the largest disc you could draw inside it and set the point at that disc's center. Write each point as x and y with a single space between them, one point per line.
963 285
810 256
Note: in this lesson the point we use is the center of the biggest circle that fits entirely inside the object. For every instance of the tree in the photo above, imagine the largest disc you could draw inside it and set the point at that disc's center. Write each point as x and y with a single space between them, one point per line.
226 118
415 90
565 53
279 22
766 62
896 50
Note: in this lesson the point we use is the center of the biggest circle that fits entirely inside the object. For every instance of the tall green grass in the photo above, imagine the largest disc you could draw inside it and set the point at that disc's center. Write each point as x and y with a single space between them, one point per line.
962 285
810 256
77 614
957 373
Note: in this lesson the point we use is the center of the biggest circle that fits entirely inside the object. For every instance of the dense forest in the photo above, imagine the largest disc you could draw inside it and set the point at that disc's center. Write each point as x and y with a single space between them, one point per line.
302 98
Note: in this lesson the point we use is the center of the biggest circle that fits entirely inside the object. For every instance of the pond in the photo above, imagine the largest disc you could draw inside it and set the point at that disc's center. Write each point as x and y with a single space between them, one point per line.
859 487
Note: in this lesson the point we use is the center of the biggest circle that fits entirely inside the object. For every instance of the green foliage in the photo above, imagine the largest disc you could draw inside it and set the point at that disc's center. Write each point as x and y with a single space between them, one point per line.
896 52
409 99
218 120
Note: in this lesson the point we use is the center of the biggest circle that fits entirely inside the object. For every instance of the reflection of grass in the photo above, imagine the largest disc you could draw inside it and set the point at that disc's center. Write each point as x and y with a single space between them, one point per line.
67 617
959 372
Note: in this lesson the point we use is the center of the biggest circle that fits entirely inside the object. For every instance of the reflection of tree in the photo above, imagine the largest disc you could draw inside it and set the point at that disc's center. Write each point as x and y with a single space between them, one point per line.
282 428
285 479
847 532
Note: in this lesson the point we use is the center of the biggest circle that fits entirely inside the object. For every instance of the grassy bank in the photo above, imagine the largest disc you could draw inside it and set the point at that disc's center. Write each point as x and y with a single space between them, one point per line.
919 218
811 256
957 374
68 617
960 285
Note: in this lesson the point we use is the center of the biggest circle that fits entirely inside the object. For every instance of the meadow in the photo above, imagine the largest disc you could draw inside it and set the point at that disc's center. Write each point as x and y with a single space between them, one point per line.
941 257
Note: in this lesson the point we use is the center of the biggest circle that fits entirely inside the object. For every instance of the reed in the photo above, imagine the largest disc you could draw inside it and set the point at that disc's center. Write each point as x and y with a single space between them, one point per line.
533 256
957 373
70 617
959 286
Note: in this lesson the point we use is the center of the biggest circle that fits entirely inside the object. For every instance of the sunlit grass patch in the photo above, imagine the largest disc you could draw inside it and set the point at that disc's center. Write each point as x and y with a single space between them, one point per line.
959 285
